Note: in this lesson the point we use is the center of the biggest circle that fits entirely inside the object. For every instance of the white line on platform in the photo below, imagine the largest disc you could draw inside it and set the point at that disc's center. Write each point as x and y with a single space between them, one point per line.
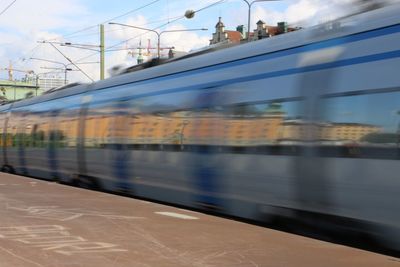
176 215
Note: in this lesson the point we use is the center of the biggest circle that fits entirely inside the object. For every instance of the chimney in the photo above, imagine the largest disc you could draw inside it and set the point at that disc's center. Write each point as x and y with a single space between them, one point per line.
242 31
283 27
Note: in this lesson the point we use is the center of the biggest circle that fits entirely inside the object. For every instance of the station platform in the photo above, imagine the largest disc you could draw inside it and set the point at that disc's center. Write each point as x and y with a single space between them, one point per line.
45 224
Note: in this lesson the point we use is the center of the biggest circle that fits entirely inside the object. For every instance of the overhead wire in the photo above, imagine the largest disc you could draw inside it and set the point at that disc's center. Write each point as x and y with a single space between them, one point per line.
26 55
5 9
165 24
121 29
114 18
109 49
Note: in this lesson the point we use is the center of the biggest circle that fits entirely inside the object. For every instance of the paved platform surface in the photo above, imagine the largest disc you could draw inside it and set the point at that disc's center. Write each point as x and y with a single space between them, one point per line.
45 224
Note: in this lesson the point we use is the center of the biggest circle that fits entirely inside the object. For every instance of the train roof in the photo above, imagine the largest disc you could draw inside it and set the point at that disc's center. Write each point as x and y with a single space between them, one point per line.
382 17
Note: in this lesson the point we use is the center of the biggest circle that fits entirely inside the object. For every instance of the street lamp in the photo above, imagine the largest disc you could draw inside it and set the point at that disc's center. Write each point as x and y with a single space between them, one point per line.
249 14
156 32
66 69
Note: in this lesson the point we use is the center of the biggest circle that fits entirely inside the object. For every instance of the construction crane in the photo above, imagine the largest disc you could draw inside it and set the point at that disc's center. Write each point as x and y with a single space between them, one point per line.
10 71
147 53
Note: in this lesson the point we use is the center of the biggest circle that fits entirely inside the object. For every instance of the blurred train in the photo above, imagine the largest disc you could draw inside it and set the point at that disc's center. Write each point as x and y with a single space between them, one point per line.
302 123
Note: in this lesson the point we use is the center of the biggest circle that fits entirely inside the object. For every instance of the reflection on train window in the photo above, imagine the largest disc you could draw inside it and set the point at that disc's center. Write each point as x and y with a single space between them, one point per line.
163 129
108 126
204 127
12 129
262 127
68 127
365 125
119 125
242 128
97 129
38 127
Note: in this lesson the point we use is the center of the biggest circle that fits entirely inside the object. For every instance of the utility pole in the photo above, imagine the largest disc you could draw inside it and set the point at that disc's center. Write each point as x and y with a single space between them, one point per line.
249 4
102 52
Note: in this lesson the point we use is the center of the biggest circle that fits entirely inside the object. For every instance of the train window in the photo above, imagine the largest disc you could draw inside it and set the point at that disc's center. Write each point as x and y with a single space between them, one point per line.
12 128
161 129
242 128
109 126
97 128
366 125
208 127
261 127
39 131
120 125
68 122
174 130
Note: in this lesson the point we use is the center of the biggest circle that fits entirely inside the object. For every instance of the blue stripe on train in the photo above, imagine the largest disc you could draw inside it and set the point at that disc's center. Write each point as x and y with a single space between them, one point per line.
266 56
277 54
268 75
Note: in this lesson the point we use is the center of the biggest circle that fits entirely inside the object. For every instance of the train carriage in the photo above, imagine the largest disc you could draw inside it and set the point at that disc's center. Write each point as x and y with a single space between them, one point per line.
303 123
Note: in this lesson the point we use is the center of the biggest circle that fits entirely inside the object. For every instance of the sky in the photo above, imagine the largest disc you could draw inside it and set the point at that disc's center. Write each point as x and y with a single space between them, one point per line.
28 22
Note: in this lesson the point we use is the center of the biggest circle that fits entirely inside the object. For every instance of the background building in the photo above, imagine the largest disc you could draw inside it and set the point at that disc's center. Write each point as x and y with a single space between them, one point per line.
48 82
262 31
225 36
14 90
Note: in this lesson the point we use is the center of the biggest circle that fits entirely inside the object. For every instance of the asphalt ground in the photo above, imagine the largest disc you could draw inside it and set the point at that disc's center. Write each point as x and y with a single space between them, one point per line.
45 224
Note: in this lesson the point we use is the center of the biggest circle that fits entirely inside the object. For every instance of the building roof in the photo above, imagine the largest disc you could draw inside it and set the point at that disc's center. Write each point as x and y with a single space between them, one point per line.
273 30
219 24
234 36
18 84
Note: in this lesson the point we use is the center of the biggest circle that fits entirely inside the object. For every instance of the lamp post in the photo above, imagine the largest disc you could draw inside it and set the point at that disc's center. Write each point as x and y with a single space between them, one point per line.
156 32
66 69
249 4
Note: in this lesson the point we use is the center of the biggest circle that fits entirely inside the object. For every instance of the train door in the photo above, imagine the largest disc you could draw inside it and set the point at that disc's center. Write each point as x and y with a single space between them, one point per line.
12 136
86 159
6 140
55 138
259 146
203 132
22 139
35 132
3 115
313 189
160 147
120 160
81 166
68 121
363 152
104 129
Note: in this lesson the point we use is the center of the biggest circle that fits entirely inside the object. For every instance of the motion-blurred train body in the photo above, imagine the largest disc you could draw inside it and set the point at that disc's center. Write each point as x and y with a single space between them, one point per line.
307 121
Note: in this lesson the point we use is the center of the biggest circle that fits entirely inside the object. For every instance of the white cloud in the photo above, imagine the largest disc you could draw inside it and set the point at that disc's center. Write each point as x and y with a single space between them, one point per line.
29 21
43 15
301 12
181 41
310 12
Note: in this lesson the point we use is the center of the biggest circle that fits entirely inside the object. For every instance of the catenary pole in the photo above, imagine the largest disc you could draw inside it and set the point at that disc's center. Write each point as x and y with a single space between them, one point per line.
102 63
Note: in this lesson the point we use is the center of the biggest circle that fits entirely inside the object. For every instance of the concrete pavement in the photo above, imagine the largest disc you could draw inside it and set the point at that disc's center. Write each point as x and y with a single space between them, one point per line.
45 224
